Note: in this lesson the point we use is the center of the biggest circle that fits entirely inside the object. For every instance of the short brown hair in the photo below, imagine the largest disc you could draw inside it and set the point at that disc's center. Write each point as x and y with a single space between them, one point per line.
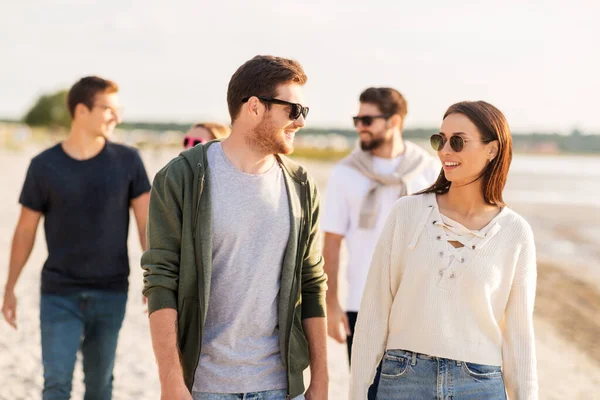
389 101
260 76
492 125
217 130
84 91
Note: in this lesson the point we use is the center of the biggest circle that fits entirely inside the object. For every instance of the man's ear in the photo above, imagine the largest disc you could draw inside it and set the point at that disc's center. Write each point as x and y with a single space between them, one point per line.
254 106
396 121
81 110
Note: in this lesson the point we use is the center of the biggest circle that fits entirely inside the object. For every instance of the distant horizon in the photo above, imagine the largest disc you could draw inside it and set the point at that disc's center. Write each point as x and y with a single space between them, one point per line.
410 124
319 127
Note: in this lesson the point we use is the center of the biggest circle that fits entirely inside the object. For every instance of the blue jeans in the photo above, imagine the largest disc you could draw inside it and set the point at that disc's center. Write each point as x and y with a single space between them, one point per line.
408 375
90 321
268 395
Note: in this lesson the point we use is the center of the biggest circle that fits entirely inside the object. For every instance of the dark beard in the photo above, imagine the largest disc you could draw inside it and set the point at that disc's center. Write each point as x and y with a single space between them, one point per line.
372 145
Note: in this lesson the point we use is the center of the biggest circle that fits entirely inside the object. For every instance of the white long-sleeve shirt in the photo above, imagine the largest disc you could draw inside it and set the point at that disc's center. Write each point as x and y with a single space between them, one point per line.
475 308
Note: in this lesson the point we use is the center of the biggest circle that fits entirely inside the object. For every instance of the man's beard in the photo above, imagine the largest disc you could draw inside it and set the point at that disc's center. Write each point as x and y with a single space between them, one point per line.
268 139
373 144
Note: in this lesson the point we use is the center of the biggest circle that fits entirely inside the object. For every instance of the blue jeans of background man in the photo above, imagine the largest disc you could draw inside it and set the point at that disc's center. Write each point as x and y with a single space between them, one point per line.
408 375
267 395
90 321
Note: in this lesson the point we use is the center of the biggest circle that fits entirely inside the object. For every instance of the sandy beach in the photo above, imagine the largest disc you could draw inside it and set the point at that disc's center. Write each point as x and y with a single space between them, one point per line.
567 315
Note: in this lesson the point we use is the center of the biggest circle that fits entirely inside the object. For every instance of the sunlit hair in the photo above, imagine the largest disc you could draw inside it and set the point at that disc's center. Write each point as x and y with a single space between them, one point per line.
84 92
492 126
216 130
389 101
261 76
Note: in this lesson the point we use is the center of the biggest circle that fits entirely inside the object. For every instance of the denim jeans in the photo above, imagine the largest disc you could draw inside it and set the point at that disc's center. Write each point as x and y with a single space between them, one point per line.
267 395
408 375
90 321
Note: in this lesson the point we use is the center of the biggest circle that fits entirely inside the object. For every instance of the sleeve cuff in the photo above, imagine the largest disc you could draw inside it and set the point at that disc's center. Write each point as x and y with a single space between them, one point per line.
313 306
159 298
341 232
31 206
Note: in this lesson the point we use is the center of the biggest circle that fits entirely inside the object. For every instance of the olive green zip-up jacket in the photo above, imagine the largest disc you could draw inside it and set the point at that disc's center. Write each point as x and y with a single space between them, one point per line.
178 263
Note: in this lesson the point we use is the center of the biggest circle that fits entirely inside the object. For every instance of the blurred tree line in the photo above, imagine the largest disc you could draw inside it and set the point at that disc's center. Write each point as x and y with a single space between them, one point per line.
50 110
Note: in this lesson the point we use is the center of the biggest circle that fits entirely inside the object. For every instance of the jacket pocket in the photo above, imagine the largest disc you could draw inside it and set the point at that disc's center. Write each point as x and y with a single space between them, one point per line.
299 355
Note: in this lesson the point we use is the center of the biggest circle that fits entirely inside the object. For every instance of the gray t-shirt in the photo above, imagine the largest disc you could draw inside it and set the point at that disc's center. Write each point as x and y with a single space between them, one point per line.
251 224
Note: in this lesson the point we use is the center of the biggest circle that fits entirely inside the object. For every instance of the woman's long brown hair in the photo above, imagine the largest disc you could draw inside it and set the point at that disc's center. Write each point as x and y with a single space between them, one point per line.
492 125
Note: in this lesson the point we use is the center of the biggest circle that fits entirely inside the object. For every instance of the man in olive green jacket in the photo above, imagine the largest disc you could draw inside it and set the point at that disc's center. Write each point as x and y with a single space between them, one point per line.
234 272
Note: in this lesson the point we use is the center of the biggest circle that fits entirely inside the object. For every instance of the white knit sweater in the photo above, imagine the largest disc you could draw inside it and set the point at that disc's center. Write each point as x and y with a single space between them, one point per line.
477 309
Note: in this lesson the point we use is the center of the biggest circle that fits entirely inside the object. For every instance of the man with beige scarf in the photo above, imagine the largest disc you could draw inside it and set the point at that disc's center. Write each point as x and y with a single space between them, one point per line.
360 193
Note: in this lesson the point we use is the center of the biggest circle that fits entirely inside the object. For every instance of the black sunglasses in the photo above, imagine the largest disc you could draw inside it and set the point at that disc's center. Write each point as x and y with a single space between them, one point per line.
367 120
457 143
296 109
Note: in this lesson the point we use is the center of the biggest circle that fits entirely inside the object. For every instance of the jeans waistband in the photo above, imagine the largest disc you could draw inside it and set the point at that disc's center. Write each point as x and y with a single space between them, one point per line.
412 356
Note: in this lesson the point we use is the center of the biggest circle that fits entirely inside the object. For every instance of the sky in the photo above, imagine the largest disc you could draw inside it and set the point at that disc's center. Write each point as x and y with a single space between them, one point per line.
538 61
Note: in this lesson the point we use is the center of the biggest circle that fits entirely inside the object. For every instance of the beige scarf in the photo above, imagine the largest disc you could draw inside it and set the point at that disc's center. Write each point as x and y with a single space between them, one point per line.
415 160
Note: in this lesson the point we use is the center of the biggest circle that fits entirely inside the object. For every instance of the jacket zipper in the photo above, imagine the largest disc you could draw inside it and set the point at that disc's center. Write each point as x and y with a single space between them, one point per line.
196 218
199 194
299 258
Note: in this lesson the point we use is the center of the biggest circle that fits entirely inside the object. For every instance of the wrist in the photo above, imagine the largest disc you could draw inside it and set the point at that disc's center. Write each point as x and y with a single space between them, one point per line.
171 377
319 380
319 373
9 287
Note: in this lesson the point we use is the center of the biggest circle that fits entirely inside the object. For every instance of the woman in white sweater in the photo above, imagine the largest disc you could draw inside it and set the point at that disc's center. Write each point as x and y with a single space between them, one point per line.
448 304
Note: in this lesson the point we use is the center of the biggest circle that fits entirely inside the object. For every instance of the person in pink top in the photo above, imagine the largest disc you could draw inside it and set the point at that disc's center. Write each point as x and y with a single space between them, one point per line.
204 132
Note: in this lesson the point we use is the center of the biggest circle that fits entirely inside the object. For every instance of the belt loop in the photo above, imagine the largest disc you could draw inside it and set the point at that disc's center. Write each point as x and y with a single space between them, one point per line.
413 360
458 363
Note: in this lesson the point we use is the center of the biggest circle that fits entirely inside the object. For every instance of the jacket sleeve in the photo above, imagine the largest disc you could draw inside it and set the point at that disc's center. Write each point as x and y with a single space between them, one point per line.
518 344
314 279
160 261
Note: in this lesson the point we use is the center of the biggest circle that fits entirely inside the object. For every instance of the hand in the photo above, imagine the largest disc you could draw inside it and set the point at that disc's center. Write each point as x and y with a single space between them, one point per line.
175 391
338 326
9 308
318 390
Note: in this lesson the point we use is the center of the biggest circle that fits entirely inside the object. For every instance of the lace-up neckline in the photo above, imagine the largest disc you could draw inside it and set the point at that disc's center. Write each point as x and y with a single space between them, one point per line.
456 232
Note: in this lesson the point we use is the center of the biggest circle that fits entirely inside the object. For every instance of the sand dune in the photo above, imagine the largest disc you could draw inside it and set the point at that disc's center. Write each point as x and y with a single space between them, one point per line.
567 311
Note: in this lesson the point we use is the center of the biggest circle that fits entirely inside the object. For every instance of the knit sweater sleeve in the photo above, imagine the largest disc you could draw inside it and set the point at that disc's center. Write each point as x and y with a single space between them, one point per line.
518 346
371 332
